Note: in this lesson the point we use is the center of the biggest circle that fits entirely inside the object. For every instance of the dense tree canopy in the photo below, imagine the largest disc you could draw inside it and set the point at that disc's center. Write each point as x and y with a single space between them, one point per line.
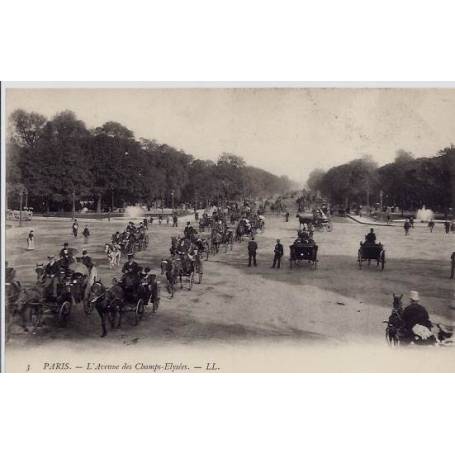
58 159
407 182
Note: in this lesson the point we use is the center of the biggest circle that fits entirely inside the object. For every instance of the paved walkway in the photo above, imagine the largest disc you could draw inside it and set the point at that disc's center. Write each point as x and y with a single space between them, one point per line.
367 220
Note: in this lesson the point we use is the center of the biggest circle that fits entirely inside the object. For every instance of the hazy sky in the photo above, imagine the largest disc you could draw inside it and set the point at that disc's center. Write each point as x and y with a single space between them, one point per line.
285 131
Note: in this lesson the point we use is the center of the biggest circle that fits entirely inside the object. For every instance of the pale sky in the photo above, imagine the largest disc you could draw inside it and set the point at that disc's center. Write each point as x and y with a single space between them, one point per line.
285 131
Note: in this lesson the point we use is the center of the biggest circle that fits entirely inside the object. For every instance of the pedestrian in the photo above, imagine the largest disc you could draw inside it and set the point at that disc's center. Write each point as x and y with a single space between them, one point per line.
411 220
86 234
447 226
75 227
287 217
252 248
431 225
160 219
174 220
146 223
278 254
31 241
388 218
87 260
407 226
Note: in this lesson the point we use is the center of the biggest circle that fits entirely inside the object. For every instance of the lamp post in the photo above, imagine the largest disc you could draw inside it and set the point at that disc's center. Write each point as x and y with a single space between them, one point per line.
74 204
112 197
21 195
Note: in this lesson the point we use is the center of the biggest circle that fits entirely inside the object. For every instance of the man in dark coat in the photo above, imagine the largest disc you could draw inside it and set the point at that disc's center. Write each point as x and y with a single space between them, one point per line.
87 260
278 253
131 266
252 248
414 314
51 272
370 238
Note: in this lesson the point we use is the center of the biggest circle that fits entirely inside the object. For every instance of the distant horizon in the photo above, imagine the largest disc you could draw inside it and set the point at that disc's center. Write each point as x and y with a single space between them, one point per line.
285 131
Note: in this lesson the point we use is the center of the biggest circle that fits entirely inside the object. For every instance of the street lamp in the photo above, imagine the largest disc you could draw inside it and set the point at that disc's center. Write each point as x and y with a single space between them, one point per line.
74 204
21 194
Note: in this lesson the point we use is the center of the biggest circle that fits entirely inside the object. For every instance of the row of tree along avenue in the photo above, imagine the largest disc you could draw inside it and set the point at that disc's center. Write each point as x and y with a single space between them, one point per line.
408 183
61 163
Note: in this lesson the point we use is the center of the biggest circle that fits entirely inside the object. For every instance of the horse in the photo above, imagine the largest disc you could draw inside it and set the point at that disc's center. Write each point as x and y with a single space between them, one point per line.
113 254
216 239
169 267
394 322
227 239
108 302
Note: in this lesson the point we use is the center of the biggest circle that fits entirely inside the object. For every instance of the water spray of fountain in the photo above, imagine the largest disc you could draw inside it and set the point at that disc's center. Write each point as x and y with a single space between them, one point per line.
133 211
424 215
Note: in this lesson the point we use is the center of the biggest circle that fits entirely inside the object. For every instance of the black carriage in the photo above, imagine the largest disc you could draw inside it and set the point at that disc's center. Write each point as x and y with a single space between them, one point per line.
137 295
58 307
371 252
303 251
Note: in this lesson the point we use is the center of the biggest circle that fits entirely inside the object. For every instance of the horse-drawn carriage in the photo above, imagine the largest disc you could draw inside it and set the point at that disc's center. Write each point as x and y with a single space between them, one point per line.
42 302
303 251
371 252
205 222
318 219
180 266
244 229
131 294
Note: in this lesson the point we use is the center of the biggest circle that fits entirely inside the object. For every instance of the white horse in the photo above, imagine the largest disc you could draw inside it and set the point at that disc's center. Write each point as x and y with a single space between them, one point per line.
113 254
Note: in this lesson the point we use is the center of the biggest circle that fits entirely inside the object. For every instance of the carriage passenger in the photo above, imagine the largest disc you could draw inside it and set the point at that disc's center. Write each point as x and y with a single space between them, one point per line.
370 238
66 255
131 266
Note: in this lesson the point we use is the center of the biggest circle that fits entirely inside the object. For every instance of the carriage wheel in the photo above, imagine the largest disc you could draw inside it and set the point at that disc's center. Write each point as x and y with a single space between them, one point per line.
64 313
382 260
359 259
139 311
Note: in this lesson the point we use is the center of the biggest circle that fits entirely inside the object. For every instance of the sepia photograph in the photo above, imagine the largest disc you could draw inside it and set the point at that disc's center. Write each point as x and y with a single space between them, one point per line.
229 229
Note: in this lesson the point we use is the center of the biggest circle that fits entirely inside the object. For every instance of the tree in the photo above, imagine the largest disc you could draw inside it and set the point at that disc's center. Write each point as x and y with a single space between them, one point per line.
315 179
27 128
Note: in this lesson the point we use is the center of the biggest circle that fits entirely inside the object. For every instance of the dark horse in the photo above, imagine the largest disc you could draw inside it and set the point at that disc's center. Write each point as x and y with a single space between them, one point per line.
170 268
108 303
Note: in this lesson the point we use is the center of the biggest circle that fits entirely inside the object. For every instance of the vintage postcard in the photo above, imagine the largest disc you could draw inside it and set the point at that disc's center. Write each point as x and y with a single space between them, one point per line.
228 229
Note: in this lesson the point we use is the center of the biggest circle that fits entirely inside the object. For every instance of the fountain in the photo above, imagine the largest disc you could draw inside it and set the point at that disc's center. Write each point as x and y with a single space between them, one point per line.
134 211
424 215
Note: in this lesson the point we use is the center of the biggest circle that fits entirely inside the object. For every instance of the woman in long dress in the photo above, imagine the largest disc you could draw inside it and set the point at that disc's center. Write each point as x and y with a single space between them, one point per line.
31 241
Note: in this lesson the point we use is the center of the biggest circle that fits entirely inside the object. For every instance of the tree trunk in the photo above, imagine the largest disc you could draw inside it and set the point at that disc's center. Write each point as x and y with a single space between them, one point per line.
98 203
